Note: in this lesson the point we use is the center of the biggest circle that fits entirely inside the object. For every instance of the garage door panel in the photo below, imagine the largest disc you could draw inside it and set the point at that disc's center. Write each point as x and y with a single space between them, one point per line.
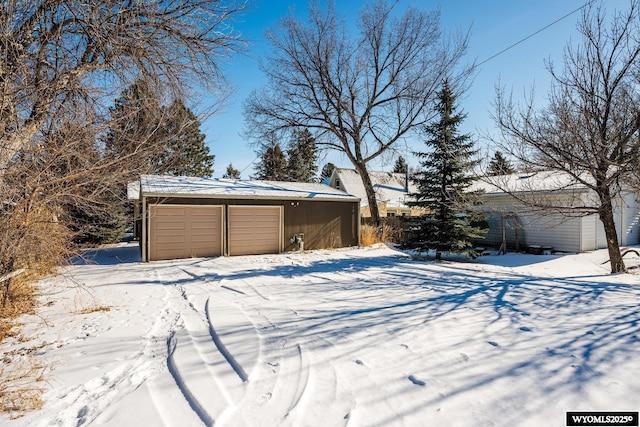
255 230
185 231
171 240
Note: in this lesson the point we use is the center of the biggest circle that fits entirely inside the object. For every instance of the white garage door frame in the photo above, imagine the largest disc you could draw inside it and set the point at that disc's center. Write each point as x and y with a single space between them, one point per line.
221 224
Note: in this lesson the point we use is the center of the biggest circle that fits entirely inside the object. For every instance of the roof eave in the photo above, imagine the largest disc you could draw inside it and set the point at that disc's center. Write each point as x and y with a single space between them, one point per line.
241 197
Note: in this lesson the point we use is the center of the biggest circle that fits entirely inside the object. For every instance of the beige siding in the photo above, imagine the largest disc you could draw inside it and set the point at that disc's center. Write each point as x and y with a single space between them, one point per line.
185 231
255 230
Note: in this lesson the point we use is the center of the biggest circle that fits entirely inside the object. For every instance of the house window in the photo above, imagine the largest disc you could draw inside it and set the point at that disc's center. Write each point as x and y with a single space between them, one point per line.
338 184
391 214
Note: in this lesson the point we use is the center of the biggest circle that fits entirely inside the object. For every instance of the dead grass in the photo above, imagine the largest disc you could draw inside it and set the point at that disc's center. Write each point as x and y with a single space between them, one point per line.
22 301
35 243
94 309
370 235
21 388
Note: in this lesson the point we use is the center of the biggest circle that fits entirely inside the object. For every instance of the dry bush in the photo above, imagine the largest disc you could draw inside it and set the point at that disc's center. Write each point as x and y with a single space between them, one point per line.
34 242
370 235
21 387
21 300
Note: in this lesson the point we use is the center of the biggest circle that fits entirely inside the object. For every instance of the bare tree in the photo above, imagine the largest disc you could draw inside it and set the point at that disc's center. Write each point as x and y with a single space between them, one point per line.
359 95
53 51
61 64
589 130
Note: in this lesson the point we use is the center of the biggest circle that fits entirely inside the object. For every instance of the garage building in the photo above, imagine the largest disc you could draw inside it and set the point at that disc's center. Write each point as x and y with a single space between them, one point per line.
183 217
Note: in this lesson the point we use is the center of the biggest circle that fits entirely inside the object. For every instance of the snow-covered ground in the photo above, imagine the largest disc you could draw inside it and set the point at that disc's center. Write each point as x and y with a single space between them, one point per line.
359 337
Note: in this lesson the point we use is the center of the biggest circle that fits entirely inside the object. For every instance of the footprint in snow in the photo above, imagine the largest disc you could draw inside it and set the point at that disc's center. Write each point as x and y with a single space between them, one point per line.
359 362
525 329
264 398
416 381
493 343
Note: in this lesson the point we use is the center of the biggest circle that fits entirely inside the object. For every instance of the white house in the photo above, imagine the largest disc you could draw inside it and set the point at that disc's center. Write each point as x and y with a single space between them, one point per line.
514 221
392 191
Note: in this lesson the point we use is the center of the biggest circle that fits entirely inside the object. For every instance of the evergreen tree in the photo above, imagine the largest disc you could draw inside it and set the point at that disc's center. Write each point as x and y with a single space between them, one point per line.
133 125
231 173
499 165
164 139
186 152
443 184
95 213
327 170
302 156
273 164
400 166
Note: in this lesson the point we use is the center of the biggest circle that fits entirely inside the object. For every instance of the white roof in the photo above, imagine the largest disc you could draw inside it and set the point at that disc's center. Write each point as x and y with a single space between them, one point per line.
133 190
541 181
389 187
171 186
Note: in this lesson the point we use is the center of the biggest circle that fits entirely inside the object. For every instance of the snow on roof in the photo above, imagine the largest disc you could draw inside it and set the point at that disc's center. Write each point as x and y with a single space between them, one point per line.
164 186
133 190
541 181
389 186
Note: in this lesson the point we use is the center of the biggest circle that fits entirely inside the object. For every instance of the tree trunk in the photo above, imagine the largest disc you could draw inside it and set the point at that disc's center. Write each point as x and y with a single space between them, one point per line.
371 194
606 216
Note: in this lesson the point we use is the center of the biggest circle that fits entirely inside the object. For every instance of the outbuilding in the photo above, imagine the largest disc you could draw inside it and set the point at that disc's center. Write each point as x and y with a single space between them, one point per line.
183 217
512 221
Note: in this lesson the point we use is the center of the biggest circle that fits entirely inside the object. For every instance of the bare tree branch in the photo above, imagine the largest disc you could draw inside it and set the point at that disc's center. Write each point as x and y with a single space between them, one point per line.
359 94
590 129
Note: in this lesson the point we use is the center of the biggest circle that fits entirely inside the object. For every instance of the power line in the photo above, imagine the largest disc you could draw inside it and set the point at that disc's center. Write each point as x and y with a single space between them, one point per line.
535 33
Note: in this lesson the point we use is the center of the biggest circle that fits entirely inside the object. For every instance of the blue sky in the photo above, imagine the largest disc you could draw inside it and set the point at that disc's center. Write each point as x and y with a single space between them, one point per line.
495 25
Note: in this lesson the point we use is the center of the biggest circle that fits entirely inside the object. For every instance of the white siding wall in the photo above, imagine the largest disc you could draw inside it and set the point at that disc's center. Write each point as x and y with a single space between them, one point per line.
592 233
631 220
555 230
564 234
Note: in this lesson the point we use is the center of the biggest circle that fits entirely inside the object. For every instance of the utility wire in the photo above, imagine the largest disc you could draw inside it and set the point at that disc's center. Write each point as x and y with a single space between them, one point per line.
535 33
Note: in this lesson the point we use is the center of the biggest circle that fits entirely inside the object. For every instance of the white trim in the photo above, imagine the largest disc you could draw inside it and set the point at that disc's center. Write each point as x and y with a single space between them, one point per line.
145 231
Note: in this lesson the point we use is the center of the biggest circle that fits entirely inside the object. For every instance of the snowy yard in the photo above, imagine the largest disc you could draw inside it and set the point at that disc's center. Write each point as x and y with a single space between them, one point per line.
359 337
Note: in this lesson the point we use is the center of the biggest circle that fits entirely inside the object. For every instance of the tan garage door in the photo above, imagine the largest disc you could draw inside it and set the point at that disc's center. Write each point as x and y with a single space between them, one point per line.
255 230
182 231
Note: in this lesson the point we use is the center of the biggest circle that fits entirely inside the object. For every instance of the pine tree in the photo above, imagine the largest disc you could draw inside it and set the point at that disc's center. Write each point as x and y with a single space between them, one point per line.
499 165
133 128
165 139
186 152
400 166
273 164
231 173
327 171
443 184
302 156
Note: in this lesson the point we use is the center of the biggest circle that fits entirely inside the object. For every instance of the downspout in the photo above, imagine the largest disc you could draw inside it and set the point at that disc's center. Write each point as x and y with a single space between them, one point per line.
144 229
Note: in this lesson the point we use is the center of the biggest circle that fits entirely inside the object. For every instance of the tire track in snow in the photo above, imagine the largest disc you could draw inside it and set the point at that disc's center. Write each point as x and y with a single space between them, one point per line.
223 349
321 402
302 366
182 385
277 382
194 369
